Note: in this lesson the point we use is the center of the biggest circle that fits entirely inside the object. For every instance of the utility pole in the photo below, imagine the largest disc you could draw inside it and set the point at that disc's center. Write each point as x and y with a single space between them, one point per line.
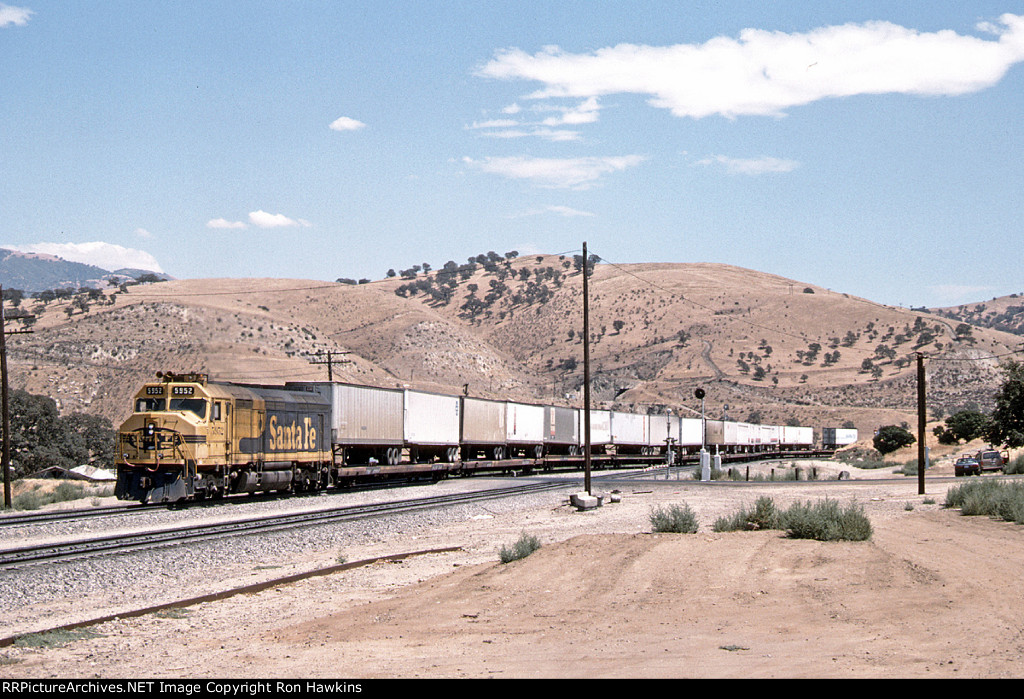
586 377
6 456
920 423
5 422
329 362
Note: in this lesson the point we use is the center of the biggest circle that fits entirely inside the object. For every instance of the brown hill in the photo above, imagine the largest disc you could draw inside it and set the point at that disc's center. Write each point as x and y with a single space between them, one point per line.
1004 313
761 345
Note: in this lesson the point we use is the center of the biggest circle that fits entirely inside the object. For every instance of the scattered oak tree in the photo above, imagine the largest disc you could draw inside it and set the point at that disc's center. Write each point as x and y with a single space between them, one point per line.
892 437
1007 421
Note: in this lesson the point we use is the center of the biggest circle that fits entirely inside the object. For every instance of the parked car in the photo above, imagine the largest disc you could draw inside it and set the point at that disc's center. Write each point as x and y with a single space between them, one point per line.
967 466
991 460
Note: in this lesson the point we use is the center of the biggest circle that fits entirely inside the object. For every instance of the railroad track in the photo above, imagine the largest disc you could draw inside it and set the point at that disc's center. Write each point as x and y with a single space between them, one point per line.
601 462
28 518
122 543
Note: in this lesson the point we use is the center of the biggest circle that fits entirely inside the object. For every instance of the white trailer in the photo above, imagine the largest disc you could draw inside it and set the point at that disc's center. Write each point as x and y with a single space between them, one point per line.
524 428
432 425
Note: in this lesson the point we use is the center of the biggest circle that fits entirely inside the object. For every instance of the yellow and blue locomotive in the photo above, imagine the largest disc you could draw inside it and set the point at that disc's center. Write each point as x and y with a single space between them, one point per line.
189 438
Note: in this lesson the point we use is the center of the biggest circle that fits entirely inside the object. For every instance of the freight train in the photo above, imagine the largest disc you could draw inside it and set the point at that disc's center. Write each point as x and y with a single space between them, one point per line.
192 438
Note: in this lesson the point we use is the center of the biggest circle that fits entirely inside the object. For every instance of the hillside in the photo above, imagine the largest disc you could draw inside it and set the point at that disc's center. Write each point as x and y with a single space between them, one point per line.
1004 313
761 345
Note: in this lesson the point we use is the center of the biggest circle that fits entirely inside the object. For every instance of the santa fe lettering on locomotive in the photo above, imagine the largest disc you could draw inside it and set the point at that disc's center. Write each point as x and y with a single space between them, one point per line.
294 437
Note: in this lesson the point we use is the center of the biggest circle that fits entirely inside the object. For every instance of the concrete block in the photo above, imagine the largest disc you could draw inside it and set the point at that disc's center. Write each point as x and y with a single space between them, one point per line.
583 501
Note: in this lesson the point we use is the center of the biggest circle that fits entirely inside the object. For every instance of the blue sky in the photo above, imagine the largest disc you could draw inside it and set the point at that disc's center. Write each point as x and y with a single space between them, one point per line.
873 148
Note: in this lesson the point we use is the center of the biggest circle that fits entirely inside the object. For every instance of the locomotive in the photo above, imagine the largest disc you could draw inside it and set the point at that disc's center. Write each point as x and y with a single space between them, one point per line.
190 438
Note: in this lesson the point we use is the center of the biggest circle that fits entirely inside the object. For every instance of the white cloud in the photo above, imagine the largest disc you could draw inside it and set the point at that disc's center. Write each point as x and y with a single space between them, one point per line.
14 15
224 223
260 219
104 255
264 220
346 124
494 124
751 166
765 72
143 233
584 113
568 211
568 173
565 211
534 132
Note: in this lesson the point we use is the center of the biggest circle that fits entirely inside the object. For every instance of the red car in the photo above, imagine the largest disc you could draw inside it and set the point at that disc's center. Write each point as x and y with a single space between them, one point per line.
967 466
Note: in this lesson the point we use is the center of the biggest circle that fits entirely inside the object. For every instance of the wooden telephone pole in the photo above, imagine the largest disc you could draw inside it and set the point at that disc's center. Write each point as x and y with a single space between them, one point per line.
586 377
921 419
329 361
5 456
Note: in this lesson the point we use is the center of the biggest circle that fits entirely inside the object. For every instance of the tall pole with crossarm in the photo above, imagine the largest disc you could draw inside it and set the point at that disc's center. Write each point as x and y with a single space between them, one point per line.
586 378
6 456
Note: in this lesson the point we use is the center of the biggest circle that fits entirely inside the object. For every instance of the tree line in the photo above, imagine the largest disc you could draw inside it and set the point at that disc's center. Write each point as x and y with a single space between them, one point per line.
41 437
1004 426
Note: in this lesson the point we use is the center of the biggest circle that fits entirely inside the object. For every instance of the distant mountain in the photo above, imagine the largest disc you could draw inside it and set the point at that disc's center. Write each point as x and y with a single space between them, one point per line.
33 272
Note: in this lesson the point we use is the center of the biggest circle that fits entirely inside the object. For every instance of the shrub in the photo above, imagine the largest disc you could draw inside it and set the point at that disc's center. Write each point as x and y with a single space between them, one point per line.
826 521
35 498
677 519
521 549
907 469
55 638
1015 466
764 516
892 437
1002 499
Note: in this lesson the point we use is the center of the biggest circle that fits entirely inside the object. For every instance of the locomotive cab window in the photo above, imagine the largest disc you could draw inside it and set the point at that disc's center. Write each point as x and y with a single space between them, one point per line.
196 406
149 405
216 410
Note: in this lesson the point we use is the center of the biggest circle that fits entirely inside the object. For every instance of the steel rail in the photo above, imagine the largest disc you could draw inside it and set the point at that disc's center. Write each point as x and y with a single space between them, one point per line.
120 543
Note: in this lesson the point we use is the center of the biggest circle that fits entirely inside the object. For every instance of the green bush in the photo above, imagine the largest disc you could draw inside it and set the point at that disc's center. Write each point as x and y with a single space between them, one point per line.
34 499
677 519
1015 466
992 498
521 549
824 521
55 639
764 516
892 437
907 469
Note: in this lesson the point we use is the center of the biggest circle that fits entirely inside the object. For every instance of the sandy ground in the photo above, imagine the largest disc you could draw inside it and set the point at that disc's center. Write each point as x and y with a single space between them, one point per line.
933 594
